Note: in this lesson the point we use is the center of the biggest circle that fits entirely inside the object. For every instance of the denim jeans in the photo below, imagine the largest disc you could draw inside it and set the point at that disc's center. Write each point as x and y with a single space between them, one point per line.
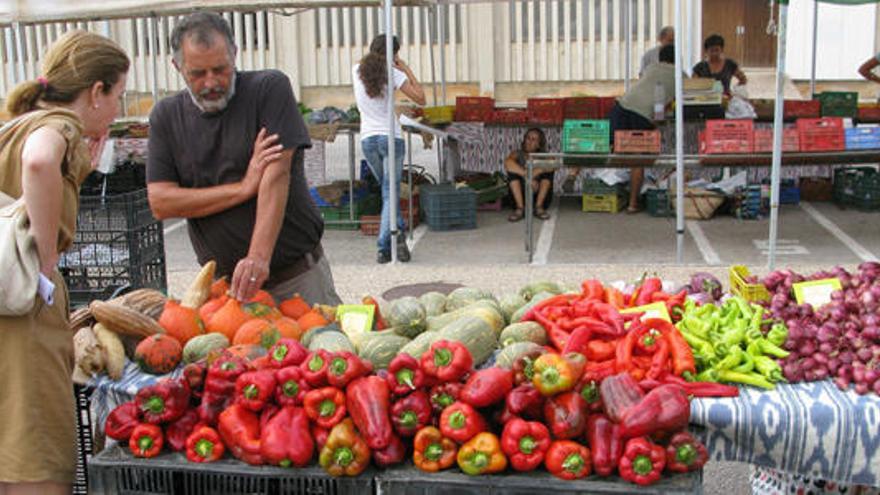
375 150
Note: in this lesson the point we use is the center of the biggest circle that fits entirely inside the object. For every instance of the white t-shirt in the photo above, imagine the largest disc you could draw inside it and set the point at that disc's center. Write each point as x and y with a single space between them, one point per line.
374 111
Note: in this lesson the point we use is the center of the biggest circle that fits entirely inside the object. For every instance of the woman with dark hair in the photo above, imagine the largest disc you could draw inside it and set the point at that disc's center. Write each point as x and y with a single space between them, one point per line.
370 80
542 180
716 65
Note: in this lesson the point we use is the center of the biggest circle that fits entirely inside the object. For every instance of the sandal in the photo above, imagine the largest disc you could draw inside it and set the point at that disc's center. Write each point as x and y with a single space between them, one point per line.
542 214
633 210
516 216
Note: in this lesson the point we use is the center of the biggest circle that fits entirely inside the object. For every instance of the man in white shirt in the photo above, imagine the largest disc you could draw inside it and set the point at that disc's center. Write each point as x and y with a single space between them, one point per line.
652 56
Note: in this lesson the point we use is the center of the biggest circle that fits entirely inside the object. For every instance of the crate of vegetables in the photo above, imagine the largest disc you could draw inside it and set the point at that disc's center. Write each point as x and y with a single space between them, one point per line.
746 285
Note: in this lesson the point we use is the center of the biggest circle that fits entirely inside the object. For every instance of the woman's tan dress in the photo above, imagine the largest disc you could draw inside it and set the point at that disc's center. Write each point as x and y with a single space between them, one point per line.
37 414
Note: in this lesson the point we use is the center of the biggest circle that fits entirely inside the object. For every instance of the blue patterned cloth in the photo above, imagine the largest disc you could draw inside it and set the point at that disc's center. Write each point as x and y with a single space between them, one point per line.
812 429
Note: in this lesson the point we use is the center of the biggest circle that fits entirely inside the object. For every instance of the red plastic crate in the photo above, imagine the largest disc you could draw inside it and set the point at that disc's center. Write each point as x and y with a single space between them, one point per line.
825 134
764 140
474 108
370 223
869 113
582 108
606 103
729 136
801 109
549 111
637 142
509 116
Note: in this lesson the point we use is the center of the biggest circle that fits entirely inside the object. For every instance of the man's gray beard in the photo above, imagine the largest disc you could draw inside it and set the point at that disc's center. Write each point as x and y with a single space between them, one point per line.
213 106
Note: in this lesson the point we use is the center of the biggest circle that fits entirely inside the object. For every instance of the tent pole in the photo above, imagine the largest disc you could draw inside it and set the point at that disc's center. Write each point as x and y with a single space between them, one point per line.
776 167
815 42
391 163
679 141
432 36
154 35
627 6
444 22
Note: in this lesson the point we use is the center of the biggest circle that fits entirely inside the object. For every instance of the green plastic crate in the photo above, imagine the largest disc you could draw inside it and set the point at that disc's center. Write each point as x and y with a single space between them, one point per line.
339 217
598 186
658 203
857 187
586 136
839 103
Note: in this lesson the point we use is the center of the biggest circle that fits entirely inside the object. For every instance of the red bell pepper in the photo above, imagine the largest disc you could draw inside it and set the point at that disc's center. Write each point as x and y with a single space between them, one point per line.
122 421
404 374
565 415
146 440
525 443
195 375
315 368
204 445
589 391
393 454
345 367
287 352
664 409
320 435
254 388
177 432
487 386
267 413
605 442
568 460
525 401
240 430
325 406
461 422
524 367
291 386
619 393
163 402
285 440
432 451
446 360
444 395
346 452
368 402
685 453
642 461
220 386
411 413
556 373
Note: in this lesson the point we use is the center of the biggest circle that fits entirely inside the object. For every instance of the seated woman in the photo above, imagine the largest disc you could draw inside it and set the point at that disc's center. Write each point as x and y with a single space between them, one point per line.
542 180
717 66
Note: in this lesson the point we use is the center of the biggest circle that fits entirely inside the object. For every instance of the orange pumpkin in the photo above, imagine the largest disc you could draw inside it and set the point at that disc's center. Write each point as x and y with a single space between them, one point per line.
228 319
219 288
294 307
288 327
260 310
158 354
180 322
266 333
263 297
311 320
211 306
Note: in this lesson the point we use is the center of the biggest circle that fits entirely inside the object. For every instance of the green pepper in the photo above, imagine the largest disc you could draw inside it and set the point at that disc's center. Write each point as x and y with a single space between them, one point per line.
732 337
778 334
753 379
769 368
773 350
747 365
733 359
708 375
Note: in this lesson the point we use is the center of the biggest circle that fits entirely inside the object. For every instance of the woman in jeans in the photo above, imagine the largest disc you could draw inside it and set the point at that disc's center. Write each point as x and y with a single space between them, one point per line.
370 78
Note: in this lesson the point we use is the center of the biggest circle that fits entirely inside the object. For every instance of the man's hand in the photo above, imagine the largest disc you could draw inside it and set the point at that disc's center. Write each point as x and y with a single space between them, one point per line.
250 274
266 152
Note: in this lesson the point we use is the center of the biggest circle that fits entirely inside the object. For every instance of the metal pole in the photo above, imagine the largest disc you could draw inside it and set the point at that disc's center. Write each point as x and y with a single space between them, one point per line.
409 225
432 34
391 164
19 45
154 34
628 27
815 42
444 22
776 163
351 167
679 141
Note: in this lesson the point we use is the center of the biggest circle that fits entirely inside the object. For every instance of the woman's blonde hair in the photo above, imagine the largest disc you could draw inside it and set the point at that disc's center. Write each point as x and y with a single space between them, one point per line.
74 63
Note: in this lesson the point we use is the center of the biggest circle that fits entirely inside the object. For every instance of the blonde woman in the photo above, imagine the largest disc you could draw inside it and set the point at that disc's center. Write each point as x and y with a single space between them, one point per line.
44 156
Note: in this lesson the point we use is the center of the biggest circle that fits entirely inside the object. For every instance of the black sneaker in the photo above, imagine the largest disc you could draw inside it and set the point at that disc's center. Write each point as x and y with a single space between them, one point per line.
402 250
384 257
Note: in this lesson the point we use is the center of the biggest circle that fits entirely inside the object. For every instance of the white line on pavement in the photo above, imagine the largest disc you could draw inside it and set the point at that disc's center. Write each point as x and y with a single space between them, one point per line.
545 238
171 228
863 253
418 233
710 256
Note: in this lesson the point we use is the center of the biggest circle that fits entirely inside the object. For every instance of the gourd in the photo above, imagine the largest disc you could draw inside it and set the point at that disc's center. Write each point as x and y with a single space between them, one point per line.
199 347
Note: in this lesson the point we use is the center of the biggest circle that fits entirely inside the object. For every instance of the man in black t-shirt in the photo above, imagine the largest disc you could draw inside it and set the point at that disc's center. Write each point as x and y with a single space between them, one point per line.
227 155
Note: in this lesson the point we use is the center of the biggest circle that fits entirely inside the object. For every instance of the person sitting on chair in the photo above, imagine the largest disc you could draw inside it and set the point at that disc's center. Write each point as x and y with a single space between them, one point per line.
542 179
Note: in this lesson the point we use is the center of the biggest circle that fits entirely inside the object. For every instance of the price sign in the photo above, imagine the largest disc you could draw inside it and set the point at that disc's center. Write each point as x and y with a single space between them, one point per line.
816 293
653 310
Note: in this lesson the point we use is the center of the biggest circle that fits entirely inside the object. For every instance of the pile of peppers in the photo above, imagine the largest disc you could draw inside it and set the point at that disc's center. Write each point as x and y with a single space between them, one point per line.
736 342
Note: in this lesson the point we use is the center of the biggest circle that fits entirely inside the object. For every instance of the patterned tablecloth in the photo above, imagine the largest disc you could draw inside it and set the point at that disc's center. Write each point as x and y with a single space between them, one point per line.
809 429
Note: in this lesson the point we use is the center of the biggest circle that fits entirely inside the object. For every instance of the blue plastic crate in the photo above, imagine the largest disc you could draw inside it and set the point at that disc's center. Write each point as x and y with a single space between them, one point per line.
446 207
861 138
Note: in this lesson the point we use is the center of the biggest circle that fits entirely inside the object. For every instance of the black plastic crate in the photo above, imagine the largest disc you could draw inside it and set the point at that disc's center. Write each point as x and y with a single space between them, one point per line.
118 242
658 203
84 438
410 481
446 207
127 177
116 471
857 187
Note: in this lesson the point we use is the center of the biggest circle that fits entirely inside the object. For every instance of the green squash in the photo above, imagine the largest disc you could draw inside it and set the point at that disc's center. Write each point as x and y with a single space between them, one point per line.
433 302
524 331
417 346
331 342
407 316
198 348
535 300
464 296
529 291
307 337
381 349
511 353
509 303
486 309
475 333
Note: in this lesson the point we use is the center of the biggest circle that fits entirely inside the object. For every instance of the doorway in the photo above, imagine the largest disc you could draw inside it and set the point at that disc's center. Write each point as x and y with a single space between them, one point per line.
743 24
